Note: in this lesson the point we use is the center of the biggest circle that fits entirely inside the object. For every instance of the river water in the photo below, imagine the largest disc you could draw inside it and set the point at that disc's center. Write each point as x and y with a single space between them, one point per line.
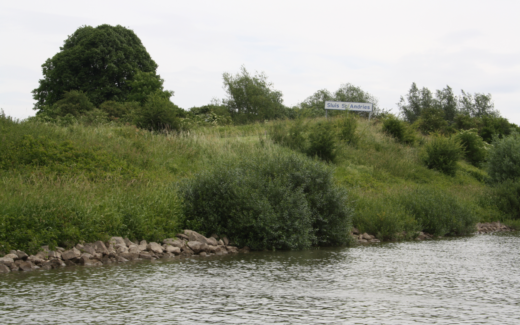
470 280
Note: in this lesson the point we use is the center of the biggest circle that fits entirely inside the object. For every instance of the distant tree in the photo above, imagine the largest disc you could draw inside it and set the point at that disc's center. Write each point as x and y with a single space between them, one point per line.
446 101
100 61
478 105
416 101
346 93
252 98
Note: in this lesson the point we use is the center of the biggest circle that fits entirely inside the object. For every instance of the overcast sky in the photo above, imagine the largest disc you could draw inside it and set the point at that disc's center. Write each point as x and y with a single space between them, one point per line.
302 46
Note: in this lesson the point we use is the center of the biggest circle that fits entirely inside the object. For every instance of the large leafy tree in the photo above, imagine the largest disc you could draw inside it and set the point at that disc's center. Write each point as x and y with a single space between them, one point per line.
99 61
252 98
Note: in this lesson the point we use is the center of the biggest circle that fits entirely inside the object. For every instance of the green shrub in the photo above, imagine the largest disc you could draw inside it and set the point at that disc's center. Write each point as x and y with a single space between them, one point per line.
473 145
294 138
506 197
62 218
398 129
442 153
439 213
347 126
322 141
117 110
74 102
504 158
431 120
385 217
273 201
158 113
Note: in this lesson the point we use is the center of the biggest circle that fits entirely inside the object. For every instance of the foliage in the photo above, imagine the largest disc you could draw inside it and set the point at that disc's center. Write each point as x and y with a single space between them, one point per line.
347 126
473 146
504 158
442 153
314 105
279 201
385 217
143 85
398 129
477 105
210 115
416 101
158 113
118 110
99 61
73 102
251 98
506 197
439 213
493 125
294 137
431 121
322 141
59 217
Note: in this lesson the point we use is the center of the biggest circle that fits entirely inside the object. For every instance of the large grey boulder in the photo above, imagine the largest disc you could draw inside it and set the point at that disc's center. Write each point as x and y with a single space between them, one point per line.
4 268
172 249
128 242
36 259
134 249
6 260
197 246
212 241
155 247
232 249
13 256
225 240
27 266
54 254
121 248
195 236
89 249
117 241
21 255
100 247
70 254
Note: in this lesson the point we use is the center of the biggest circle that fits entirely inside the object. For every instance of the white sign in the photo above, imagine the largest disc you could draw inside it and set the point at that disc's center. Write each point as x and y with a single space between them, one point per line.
342 106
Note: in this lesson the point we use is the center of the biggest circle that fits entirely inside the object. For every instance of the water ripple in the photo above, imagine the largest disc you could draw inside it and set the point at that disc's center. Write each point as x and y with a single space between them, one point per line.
473 280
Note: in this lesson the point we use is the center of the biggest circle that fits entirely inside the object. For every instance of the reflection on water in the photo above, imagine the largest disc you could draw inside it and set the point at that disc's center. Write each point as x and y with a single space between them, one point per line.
460 281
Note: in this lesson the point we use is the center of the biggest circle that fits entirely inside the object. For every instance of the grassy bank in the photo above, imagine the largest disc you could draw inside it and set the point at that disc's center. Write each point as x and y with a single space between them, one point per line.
63 184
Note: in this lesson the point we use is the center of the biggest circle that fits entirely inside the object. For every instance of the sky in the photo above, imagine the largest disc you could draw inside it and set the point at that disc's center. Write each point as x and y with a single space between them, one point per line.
302 46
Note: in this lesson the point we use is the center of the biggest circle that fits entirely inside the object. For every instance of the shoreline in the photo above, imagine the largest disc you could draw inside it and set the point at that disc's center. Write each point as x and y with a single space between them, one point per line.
187 244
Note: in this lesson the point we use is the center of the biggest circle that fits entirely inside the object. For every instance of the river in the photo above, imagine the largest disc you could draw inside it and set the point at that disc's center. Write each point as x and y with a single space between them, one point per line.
468 280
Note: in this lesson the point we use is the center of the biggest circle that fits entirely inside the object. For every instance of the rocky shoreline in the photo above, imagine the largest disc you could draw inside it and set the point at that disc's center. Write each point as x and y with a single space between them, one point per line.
119 250
482 228
189 243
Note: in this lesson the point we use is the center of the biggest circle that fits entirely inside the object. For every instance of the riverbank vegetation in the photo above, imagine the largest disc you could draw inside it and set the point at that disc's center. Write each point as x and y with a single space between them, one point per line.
128 162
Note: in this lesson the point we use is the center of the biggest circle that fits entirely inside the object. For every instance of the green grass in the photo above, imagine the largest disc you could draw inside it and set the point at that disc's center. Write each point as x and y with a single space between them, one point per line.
63 184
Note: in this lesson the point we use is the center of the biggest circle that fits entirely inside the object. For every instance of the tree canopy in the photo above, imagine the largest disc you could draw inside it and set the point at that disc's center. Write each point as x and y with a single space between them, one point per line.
252 98
100 61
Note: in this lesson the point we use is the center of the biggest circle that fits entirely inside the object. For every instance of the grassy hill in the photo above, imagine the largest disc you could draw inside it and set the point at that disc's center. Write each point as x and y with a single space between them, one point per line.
63 184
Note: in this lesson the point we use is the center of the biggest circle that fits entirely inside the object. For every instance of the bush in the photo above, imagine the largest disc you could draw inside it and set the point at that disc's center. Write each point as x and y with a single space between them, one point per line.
473 145
347 126
294 138
506 197
117 110
322 141
158 113
278 201
439 213
442 154
73 102
398 129
504 158
385 217
431 120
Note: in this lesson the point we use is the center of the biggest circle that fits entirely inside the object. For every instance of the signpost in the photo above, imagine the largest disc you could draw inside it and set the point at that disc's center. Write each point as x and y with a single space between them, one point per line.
343 106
